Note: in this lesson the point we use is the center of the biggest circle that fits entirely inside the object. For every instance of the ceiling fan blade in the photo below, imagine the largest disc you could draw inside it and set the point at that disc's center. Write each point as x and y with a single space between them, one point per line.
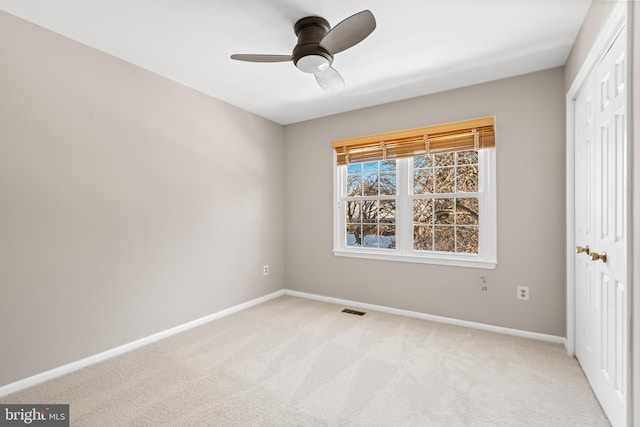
330 80
262 58
349 32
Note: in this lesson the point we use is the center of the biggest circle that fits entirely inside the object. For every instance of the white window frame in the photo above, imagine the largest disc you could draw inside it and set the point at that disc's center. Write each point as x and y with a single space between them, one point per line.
487 249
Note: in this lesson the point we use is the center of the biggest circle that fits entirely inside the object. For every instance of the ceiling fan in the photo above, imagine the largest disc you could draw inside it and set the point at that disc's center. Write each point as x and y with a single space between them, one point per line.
318 43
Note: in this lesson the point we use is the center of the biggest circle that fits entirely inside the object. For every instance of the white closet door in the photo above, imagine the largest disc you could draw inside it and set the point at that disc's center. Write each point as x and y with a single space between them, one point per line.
600 221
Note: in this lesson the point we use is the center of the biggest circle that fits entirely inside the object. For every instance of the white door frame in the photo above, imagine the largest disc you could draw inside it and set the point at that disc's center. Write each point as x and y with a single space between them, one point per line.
617 21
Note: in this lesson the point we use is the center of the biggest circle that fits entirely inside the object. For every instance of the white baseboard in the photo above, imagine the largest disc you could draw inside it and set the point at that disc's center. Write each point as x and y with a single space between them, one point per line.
74 366
423 316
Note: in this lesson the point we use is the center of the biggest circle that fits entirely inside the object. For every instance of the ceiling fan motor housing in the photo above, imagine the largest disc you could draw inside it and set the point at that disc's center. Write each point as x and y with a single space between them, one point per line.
308 56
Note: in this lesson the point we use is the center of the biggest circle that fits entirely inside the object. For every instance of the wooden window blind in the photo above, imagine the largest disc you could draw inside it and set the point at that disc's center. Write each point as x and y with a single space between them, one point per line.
474 134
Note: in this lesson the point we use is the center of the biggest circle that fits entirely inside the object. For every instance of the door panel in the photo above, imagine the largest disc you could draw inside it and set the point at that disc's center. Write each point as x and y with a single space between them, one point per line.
600 223
585 280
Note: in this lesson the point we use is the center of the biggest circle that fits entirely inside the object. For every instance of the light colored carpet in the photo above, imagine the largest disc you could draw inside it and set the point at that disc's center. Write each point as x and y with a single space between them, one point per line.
295 362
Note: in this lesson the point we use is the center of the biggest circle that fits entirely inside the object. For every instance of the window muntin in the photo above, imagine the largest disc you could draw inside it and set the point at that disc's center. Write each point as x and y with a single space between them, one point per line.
370 205
445 202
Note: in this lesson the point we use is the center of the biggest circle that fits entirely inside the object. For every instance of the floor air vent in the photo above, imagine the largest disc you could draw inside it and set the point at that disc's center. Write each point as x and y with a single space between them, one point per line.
356 312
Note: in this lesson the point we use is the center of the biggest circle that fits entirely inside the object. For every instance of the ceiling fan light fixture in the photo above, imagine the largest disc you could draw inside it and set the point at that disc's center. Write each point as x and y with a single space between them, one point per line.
318 43
313 63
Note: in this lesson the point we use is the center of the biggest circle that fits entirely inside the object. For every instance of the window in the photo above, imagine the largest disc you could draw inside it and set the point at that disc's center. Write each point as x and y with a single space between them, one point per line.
370 204
411 199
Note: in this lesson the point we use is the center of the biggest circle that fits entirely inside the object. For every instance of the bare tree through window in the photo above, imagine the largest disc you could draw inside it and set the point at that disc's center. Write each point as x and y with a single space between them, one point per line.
443 193
445 206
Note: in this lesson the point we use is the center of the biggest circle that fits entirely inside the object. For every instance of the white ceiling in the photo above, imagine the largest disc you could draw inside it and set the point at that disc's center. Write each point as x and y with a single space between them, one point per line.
419 46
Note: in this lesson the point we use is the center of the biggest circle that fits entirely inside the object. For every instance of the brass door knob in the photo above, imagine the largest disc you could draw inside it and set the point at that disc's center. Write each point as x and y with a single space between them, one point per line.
596 256
580 249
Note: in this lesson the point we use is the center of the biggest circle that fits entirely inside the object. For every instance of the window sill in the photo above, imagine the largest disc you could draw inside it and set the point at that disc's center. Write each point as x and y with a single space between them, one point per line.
436 259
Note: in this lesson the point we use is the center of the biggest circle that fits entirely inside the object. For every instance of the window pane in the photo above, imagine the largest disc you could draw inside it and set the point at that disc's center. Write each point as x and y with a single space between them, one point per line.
387 184
444 159
423 162
443 211
354 235
445 180
370 233
422 238
444 239
423 211
467 211
354 185
388 237
354 211
371 184
370 211
467 179
354 168
467 240
387 212
423 181
371 167
467 157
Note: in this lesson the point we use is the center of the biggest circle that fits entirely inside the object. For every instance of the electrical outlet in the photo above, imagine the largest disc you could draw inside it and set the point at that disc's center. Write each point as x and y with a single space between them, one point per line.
265 270
523 293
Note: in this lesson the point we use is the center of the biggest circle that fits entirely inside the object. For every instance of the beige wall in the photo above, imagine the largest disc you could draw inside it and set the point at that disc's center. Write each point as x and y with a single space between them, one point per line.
530 128
596 18
129 204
